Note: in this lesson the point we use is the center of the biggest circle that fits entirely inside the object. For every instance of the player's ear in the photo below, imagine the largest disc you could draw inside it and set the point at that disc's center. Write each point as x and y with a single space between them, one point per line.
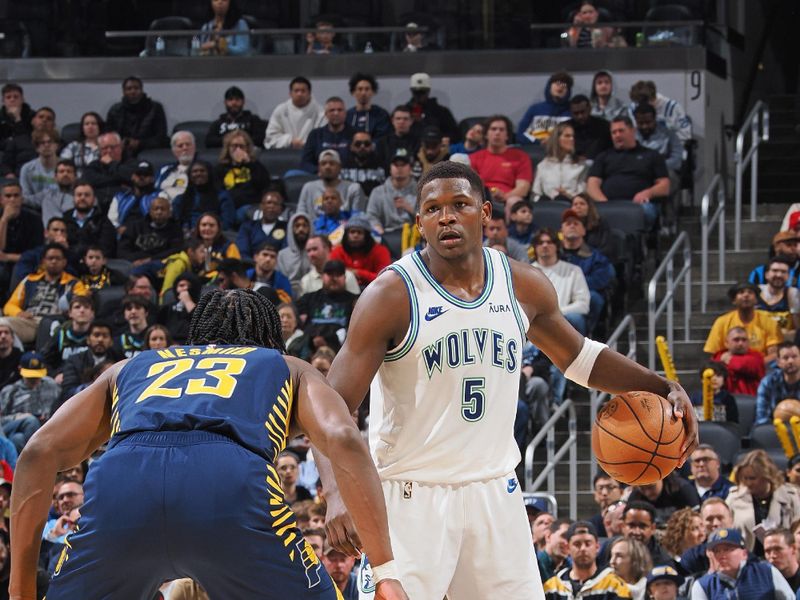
419 227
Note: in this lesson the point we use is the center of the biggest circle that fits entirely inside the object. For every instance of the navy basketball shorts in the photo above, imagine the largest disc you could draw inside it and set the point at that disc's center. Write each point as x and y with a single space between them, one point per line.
168 505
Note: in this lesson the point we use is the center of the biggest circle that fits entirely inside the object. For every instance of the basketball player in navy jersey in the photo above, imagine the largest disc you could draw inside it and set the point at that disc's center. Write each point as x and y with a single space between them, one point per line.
438 336
187 487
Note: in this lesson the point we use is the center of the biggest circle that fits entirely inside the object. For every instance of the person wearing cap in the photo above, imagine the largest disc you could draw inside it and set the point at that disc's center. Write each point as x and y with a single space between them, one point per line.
362 164
583 579
340 567
779 384
334 135
132 204
87 224
138 119
427 112
318 250
736 575
762 329
365 116
55 200
235 117
541 117
70 337
433 150
130 342
663 582
784 243
416 39
327 310
28 402
38 294
291 121
506 171
394 203
604 103
360 252
400 136
597 269
39 173
173 178
329 170
777 298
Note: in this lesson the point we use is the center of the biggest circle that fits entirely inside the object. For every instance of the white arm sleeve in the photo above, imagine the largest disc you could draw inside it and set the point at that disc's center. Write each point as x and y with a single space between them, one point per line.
581 368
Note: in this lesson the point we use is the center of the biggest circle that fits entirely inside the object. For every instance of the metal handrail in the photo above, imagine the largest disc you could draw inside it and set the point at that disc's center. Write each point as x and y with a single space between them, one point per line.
597 397
757 123
548 432
618 24
256 31
667 267
707 224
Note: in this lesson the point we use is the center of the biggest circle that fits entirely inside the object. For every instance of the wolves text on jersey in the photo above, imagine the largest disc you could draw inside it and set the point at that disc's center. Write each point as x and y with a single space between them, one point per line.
467 346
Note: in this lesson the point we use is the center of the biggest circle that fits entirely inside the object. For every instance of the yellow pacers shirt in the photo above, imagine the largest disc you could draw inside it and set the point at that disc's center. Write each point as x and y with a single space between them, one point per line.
763 331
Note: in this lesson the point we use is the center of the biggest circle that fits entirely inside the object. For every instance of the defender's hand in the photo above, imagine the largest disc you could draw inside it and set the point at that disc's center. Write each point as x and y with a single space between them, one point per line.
340 528
390 589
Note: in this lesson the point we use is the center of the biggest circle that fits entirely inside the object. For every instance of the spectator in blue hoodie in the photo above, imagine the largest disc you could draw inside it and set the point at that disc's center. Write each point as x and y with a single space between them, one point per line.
366 116
540 118
335 135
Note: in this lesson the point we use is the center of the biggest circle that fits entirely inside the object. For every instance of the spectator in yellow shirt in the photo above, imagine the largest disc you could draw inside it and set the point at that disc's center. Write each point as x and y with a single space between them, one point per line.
761 328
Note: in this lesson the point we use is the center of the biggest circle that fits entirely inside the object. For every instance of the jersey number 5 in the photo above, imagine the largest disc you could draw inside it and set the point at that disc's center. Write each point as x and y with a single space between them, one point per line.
473 400
222 385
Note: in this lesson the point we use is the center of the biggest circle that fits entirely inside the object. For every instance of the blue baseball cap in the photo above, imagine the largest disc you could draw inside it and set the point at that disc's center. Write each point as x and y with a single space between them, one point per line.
664 572
725 536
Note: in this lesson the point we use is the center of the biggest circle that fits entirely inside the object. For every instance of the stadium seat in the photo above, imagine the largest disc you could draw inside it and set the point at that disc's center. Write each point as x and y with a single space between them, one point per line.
198 128
764 437
393 240
173 46
278 161
535 152
547 213
724 437
747 413
70 133
628 217
107 300
293 186
209 155
776 456
158 157
120 265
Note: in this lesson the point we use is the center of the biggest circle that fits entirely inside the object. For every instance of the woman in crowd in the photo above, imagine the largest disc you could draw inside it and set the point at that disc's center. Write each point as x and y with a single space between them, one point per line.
598 231
761 493
287 467
631 561
157 337
85 149
604 103
209 229
293 337
560 175
225 15
684 530
201 196
239 173
176 315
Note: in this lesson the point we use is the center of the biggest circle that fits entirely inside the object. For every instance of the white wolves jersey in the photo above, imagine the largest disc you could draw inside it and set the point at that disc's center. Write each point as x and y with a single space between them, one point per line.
443 401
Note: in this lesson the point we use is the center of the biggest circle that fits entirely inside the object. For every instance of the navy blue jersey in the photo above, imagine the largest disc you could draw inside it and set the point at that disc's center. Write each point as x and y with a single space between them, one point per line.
242 392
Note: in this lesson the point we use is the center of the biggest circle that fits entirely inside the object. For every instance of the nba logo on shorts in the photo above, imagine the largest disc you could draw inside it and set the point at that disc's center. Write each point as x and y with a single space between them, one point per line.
407 489
310 562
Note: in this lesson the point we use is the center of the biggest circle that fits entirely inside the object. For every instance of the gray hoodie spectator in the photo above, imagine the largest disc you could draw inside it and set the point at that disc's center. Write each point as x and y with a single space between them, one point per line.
393 203
292 260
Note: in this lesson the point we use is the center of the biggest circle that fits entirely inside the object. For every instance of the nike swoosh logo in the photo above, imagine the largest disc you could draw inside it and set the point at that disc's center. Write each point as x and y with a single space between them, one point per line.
431 317
512 485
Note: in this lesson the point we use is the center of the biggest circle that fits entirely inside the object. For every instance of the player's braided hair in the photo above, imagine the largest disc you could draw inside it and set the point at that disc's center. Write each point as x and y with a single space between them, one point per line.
236 317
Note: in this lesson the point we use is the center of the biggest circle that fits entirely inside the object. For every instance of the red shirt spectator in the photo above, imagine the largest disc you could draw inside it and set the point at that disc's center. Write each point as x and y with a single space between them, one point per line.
745 365
360 253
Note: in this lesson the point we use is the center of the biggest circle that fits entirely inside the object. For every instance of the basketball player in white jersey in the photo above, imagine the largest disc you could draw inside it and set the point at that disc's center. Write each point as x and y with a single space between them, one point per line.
439 335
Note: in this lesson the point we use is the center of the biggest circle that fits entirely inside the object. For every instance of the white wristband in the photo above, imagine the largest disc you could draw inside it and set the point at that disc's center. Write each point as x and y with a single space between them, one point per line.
581 368
387 570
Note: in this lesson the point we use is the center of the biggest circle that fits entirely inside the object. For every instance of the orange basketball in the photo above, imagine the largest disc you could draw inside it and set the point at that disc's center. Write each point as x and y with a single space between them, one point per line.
635 439
786 409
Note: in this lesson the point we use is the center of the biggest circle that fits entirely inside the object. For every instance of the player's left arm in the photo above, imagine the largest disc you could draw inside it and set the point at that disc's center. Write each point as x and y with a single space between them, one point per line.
612 372
68 438
322 413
